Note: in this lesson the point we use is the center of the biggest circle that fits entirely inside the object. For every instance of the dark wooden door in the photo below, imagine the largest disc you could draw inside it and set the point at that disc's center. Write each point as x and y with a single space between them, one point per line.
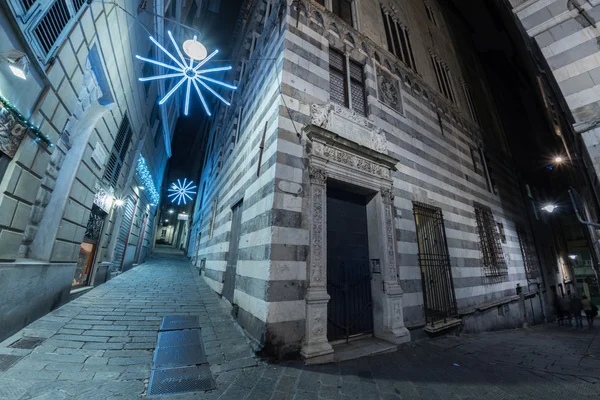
350 309
234 244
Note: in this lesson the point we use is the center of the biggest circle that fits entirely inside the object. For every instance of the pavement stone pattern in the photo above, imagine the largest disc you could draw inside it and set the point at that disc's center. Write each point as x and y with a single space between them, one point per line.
100 346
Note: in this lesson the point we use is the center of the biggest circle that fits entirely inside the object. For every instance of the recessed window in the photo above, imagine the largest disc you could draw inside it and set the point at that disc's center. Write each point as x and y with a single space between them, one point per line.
343 9
398 40
442 74
470 103
430 14
346 87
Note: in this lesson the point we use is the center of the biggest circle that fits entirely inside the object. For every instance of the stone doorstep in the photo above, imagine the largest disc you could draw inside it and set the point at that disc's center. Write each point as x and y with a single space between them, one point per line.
363 347
80 290
442 326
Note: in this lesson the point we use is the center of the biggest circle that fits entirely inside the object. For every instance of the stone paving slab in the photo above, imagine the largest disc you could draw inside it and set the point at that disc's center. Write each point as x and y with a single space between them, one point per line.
100 346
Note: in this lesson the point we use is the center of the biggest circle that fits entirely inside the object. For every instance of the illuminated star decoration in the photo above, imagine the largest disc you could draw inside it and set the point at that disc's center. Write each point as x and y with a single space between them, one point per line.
181 192
189 73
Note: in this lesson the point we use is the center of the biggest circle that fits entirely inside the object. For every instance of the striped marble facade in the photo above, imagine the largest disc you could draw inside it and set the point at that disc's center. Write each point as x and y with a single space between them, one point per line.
435 141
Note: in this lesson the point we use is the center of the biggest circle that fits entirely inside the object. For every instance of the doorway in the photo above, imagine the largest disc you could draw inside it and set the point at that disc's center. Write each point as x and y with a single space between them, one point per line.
436 272
89 248
350 308
234 244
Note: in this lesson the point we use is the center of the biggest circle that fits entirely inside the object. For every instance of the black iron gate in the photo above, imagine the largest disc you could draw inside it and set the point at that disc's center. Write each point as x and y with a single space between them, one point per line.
350 308
234 243
436 271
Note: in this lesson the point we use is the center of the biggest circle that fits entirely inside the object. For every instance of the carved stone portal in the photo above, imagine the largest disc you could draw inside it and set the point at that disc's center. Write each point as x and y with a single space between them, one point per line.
348 148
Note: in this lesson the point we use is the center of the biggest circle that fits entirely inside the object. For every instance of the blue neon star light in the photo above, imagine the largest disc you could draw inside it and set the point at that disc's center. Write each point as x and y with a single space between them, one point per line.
189 73
181 192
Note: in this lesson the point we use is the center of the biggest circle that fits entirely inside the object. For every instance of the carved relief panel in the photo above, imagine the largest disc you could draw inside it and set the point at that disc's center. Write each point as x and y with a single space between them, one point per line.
388 89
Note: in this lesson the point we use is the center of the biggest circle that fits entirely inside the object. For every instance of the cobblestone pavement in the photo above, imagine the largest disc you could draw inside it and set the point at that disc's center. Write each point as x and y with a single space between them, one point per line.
100 346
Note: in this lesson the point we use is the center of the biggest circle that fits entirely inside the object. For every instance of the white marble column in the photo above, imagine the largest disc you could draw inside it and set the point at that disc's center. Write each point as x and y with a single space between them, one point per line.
316 348
393 312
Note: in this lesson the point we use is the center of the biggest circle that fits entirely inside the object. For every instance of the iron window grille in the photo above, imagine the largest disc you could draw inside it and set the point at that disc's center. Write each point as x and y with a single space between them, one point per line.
443 76
398 40
118 153
501 231
346 82
530 260
494 263
46 23
436 270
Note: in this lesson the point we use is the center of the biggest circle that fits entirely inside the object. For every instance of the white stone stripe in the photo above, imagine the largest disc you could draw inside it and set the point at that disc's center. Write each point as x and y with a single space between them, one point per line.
258 208
567 43
448 216
275 235
214 285
272 270
271 312
577 68
530 7
584 97
552 22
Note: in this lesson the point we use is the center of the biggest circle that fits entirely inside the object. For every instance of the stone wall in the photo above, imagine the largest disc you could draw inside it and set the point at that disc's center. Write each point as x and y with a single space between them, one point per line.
435 140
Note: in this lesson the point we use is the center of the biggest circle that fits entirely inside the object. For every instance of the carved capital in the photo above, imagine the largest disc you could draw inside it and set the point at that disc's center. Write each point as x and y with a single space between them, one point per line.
317 175
387 194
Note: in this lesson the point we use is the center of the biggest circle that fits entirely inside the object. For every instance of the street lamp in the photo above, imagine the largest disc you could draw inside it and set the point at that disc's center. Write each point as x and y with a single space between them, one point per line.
549 208
171 211
119 202
558 159
572 256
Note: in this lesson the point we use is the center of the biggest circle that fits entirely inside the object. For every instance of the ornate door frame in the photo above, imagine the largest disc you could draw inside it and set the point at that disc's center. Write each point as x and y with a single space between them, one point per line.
348 148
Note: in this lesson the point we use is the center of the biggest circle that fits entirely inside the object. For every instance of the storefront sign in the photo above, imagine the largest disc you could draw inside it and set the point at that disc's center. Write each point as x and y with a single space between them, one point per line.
183 217
104 197
12 132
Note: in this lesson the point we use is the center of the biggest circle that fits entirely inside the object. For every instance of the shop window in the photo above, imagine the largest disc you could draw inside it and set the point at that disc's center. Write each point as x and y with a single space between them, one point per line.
489 238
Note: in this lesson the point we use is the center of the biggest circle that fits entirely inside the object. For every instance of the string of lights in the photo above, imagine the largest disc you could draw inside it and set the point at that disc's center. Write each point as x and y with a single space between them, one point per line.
147 181
39 136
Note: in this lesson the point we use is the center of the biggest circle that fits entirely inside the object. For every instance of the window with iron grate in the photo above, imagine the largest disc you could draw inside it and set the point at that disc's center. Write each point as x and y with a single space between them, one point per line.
118 153
470 103
346 87
494 263
398 40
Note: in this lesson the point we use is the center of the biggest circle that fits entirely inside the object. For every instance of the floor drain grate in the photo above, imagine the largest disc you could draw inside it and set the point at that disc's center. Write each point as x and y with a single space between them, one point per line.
27 343
7 361
179 364
181 380
178 322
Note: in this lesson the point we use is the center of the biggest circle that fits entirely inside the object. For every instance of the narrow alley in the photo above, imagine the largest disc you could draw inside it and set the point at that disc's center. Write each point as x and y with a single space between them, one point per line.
100 346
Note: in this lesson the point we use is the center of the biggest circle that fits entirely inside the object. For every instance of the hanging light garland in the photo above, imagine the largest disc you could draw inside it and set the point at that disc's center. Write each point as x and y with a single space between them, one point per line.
189 73
39 136
182 192
147 181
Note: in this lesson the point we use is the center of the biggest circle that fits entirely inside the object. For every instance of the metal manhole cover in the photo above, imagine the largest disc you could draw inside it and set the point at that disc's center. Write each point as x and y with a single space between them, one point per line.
180 380
27 343
179 356
7 361
177 338
178 322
